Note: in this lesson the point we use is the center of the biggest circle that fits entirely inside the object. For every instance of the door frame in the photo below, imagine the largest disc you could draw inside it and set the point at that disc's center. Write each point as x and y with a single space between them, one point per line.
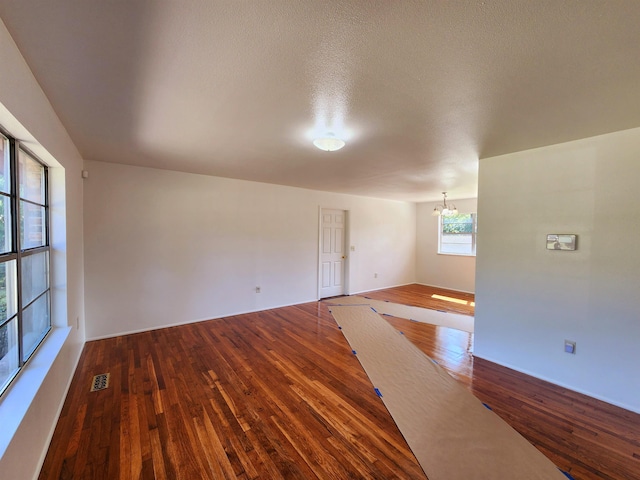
347 250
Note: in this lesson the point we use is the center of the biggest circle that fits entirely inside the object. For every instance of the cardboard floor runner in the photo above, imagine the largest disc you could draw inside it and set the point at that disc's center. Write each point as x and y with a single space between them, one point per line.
451 433
419 314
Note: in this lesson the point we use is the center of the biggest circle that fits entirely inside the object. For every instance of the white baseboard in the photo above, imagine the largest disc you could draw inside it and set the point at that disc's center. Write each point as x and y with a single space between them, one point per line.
610 401
187 322
381 288
242 312
445 288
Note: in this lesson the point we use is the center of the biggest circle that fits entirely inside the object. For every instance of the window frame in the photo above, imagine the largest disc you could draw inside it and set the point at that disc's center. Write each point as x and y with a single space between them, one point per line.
16 254
474 234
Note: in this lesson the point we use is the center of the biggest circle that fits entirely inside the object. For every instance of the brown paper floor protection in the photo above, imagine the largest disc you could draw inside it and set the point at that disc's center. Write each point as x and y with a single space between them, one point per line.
419 314
451 433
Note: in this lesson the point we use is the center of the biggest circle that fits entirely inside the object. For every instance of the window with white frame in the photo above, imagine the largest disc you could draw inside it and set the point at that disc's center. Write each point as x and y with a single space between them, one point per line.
457 234
25 299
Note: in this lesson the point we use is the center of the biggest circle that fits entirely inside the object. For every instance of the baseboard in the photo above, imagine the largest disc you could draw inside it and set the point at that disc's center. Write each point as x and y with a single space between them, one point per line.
187 322
445 288
562 384
242 312
381 288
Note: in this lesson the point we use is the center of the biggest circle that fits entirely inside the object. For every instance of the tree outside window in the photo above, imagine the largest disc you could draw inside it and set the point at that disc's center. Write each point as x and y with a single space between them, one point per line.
457 234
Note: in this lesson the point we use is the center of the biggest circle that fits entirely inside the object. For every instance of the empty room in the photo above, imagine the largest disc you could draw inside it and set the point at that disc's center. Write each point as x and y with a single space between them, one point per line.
304 239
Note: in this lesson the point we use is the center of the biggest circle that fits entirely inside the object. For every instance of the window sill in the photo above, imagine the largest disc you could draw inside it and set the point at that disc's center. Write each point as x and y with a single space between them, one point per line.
17 400
458 254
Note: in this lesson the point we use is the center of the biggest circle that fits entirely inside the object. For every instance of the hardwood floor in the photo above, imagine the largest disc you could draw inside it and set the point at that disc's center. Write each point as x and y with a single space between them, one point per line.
422 296
585 437
275 394
278 394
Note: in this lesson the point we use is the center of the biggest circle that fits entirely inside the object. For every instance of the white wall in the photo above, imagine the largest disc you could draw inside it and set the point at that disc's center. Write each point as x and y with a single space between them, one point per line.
165 247
529 299
29 409
454 272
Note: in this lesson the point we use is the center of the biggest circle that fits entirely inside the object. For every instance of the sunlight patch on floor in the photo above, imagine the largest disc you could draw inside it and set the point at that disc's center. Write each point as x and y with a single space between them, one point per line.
452 300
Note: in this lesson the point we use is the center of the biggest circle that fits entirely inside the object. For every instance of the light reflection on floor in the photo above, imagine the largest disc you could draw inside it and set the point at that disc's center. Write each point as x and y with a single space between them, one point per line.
452 300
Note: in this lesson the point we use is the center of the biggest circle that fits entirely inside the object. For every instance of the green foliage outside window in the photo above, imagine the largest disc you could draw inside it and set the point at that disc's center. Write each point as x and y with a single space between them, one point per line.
456 224
4 341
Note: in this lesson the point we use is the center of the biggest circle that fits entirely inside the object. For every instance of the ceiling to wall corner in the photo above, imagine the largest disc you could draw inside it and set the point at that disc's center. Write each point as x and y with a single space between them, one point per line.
419 90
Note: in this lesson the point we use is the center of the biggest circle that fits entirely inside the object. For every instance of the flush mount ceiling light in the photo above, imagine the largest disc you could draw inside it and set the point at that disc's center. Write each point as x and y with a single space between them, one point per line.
329 143
444 209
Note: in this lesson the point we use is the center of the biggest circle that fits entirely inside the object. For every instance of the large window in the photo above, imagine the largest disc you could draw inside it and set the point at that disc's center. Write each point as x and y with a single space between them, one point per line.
457 234
25 308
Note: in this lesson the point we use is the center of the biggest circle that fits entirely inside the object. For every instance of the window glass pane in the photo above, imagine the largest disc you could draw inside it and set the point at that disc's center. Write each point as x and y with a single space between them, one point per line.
31 179
457 234
5 175
8 290
8 352
32 225
461 223
23 224
34 276
456 244
35 324
5 224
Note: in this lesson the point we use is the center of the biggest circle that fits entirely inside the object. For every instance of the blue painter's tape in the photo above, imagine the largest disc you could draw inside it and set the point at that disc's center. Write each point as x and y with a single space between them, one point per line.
434 361
339 327
487 406
378 392
354 352
374 309
401 333
566 474
412 320
387 301
441 311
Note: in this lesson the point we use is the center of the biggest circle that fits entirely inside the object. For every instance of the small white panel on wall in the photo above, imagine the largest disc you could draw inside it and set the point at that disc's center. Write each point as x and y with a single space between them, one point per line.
560 241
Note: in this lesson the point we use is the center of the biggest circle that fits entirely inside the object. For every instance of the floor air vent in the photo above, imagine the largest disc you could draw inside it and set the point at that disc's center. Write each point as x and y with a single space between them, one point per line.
100 382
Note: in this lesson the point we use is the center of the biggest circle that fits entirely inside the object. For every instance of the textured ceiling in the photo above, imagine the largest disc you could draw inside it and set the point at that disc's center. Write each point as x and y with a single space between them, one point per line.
419 90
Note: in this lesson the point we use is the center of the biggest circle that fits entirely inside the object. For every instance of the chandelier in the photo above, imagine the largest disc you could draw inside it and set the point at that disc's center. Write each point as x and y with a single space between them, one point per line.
444 209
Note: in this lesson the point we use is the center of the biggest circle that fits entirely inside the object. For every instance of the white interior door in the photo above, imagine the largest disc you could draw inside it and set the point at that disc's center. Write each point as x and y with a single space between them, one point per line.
332 252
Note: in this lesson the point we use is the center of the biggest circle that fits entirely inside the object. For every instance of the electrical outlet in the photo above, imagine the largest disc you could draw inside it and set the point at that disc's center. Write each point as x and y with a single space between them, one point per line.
257 289
569 346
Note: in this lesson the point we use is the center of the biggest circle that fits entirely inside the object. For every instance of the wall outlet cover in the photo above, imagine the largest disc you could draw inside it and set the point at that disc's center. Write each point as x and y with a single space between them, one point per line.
569 347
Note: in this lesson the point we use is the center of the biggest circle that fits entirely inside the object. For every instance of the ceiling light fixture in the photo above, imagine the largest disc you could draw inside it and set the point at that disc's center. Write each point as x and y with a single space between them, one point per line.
329 143
444 209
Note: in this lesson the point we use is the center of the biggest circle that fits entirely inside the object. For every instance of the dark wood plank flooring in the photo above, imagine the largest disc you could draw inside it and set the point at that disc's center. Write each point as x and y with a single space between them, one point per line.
585 437
422 296
278 394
